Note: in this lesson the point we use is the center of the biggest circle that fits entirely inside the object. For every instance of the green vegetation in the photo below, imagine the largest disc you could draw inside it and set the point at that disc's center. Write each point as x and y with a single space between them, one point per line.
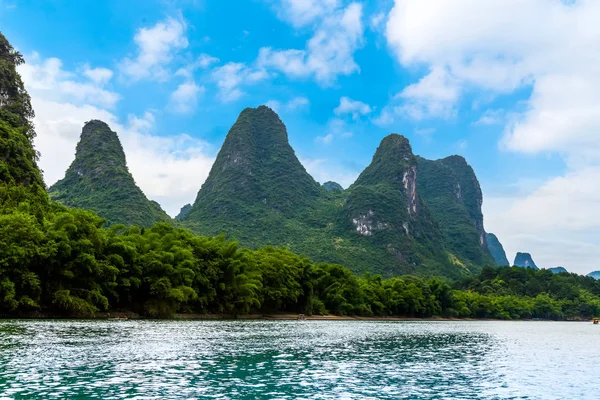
258 193
98 180
497 250
56 260
452 193
512 293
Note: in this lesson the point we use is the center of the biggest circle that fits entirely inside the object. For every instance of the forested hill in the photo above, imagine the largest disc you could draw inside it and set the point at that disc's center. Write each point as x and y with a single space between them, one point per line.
61 261
402 215
99 180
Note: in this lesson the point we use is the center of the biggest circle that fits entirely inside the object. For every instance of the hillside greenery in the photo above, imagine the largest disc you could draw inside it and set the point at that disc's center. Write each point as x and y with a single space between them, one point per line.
452 193
62 261
259 193
99 180
497 250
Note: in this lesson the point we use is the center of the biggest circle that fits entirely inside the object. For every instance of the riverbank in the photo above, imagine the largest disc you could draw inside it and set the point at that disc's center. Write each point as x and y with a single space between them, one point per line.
122 316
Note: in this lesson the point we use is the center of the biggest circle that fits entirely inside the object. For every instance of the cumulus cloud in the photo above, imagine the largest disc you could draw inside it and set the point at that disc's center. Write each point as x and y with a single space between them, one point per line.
99 75
323 170
169 169
353 107
433 96
293 104
338 33
336 129
185 98
304 12
232 77
47 75
156 48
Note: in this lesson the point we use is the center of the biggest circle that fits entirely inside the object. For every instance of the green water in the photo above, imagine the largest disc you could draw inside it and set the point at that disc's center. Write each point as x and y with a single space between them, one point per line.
298 360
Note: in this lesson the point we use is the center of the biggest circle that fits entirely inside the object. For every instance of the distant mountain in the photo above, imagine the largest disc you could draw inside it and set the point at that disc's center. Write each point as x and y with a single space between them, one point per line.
183 212
497 250
259 193
333 186
524 260
595 275
557 270
451 191
99 180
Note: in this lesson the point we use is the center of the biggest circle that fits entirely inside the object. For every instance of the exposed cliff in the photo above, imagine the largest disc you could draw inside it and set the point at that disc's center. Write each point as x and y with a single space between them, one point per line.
451 190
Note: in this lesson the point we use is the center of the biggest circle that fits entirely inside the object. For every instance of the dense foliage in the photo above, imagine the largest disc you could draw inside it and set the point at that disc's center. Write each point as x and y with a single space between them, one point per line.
452 193
68 264
56 260
99 180
259 193
511 293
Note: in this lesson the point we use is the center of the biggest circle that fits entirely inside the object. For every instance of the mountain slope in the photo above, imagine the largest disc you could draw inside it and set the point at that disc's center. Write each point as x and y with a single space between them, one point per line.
451 191
99 180
497 250
260 194
255 185
384 207
594 274
524 260
557 270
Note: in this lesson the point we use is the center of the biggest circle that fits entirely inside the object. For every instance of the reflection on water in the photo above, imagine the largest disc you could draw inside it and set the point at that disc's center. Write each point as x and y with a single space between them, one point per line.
293 359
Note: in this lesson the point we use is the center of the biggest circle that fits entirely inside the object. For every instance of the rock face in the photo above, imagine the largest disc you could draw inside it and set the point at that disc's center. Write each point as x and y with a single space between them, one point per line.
557 270
451 191
258 193
595 275
99 180
524 260
497 250
384 204
333 186
183 212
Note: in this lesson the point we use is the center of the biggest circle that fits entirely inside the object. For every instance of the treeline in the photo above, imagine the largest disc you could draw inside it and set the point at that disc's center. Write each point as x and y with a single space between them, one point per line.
67 264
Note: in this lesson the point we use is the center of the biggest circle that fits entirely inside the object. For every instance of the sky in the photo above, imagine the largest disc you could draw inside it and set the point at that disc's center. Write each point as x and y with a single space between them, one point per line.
513 86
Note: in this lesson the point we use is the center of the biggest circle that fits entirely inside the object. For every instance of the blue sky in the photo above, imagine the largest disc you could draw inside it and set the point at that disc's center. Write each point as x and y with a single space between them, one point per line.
513 92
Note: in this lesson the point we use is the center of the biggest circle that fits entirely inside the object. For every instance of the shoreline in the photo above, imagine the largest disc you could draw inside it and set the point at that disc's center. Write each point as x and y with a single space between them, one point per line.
124 316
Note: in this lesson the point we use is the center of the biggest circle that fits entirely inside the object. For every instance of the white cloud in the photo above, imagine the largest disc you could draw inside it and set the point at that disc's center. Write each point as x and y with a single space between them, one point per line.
203 61
337 129
354 107
491 117
49 77
558 222
157 47
433 96
232 76
327 139
486 45
293 104
303 12
185 98
99 75
169 169
377 21
338 33
325 170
